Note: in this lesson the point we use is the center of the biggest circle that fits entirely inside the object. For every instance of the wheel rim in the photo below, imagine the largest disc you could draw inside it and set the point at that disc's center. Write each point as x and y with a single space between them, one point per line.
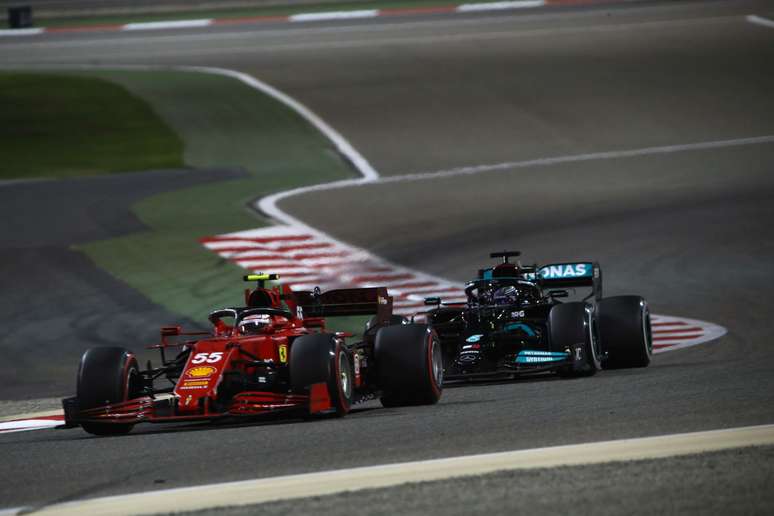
646 330
133 387
437 362
593 340
345 381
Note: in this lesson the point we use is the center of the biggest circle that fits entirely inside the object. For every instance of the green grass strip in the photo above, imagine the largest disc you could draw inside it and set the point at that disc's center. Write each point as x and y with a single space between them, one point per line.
223 123
65 126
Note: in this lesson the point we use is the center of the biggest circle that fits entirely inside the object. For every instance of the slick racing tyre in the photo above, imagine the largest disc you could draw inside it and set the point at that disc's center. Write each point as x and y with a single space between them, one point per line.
321 358
572 326
107 375
409 365
624 331
371 324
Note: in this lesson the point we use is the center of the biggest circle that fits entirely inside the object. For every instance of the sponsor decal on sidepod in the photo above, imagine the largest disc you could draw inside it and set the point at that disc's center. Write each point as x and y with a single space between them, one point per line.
528 356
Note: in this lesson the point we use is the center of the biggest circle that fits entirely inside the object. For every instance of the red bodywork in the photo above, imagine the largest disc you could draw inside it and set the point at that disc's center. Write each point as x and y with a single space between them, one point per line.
201 389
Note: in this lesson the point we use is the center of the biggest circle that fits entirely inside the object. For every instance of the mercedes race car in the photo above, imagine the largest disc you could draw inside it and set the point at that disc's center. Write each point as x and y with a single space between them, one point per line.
515 322
275 354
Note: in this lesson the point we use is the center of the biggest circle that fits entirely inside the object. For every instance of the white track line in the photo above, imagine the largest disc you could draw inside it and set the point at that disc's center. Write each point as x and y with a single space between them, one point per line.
21 32
29 424
268 204
574 158
758 20
499 6
250 492
342 145
174 24
335 15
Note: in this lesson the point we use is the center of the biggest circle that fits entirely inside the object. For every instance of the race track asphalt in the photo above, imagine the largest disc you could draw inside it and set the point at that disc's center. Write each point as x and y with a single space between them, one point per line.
56 302
691 229
633 488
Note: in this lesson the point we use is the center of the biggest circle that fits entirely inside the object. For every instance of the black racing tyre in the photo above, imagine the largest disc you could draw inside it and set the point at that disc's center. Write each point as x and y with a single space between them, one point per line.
409 365
321 358
572 326
394 319
107 375
624 331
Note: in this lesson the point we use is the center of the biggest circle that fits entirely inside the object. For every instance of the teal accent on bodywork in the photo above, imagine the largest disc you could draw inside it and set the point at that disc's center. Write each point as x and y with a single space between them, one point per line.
520 326
555 271
474 338
567 270
529 356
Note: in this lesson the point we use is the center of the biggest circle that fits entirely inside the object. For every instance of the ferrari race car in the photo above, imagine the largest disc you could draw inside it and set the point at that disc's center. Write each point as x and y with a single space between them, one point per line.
514 322
274 354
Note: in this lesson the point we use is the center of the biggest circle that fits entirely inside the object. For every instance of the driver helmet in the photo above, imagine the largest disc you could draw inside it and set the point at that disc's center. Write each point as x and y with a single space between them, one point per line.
506 295
254 324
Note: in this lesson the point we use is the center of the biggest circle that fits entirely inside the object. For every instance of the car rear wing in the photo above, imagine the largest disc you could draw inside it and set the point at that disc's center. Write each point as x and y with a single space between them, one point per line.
571 274
346 301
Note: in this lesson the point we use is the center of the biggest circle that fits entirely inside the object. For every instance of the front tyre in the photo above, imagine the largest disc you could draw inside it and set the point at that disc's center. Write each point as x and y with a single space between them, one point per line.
624 331
322 358
410 365
107 375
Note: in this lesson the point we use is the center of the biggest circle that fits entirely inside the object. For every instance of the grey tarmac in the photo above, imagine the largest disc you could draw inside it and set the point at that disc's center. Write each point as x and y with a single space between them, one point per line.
680 485
56 302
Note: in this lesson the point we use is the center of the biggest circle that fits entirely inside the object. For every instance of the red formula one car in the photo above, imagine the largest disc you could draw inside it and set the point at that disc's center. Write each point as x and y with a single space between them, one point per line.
274 354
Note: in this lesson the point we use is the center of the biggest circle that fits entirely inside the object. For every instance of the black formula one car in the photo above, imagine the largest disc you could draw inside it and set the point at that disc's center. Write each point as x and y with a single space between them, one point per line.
515 322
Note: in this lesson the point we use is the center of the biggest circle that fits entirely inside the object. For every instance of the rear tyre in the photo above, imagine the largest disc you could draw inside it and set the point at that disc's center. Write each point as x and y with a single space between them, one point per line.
321 358
409 362
624 331
107 375
573 327
371 324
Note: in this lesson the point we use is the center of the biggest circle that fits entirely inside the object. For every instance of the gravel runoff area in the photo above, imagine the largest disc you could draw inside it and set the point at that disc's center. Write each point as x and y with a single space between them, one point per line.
711 483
